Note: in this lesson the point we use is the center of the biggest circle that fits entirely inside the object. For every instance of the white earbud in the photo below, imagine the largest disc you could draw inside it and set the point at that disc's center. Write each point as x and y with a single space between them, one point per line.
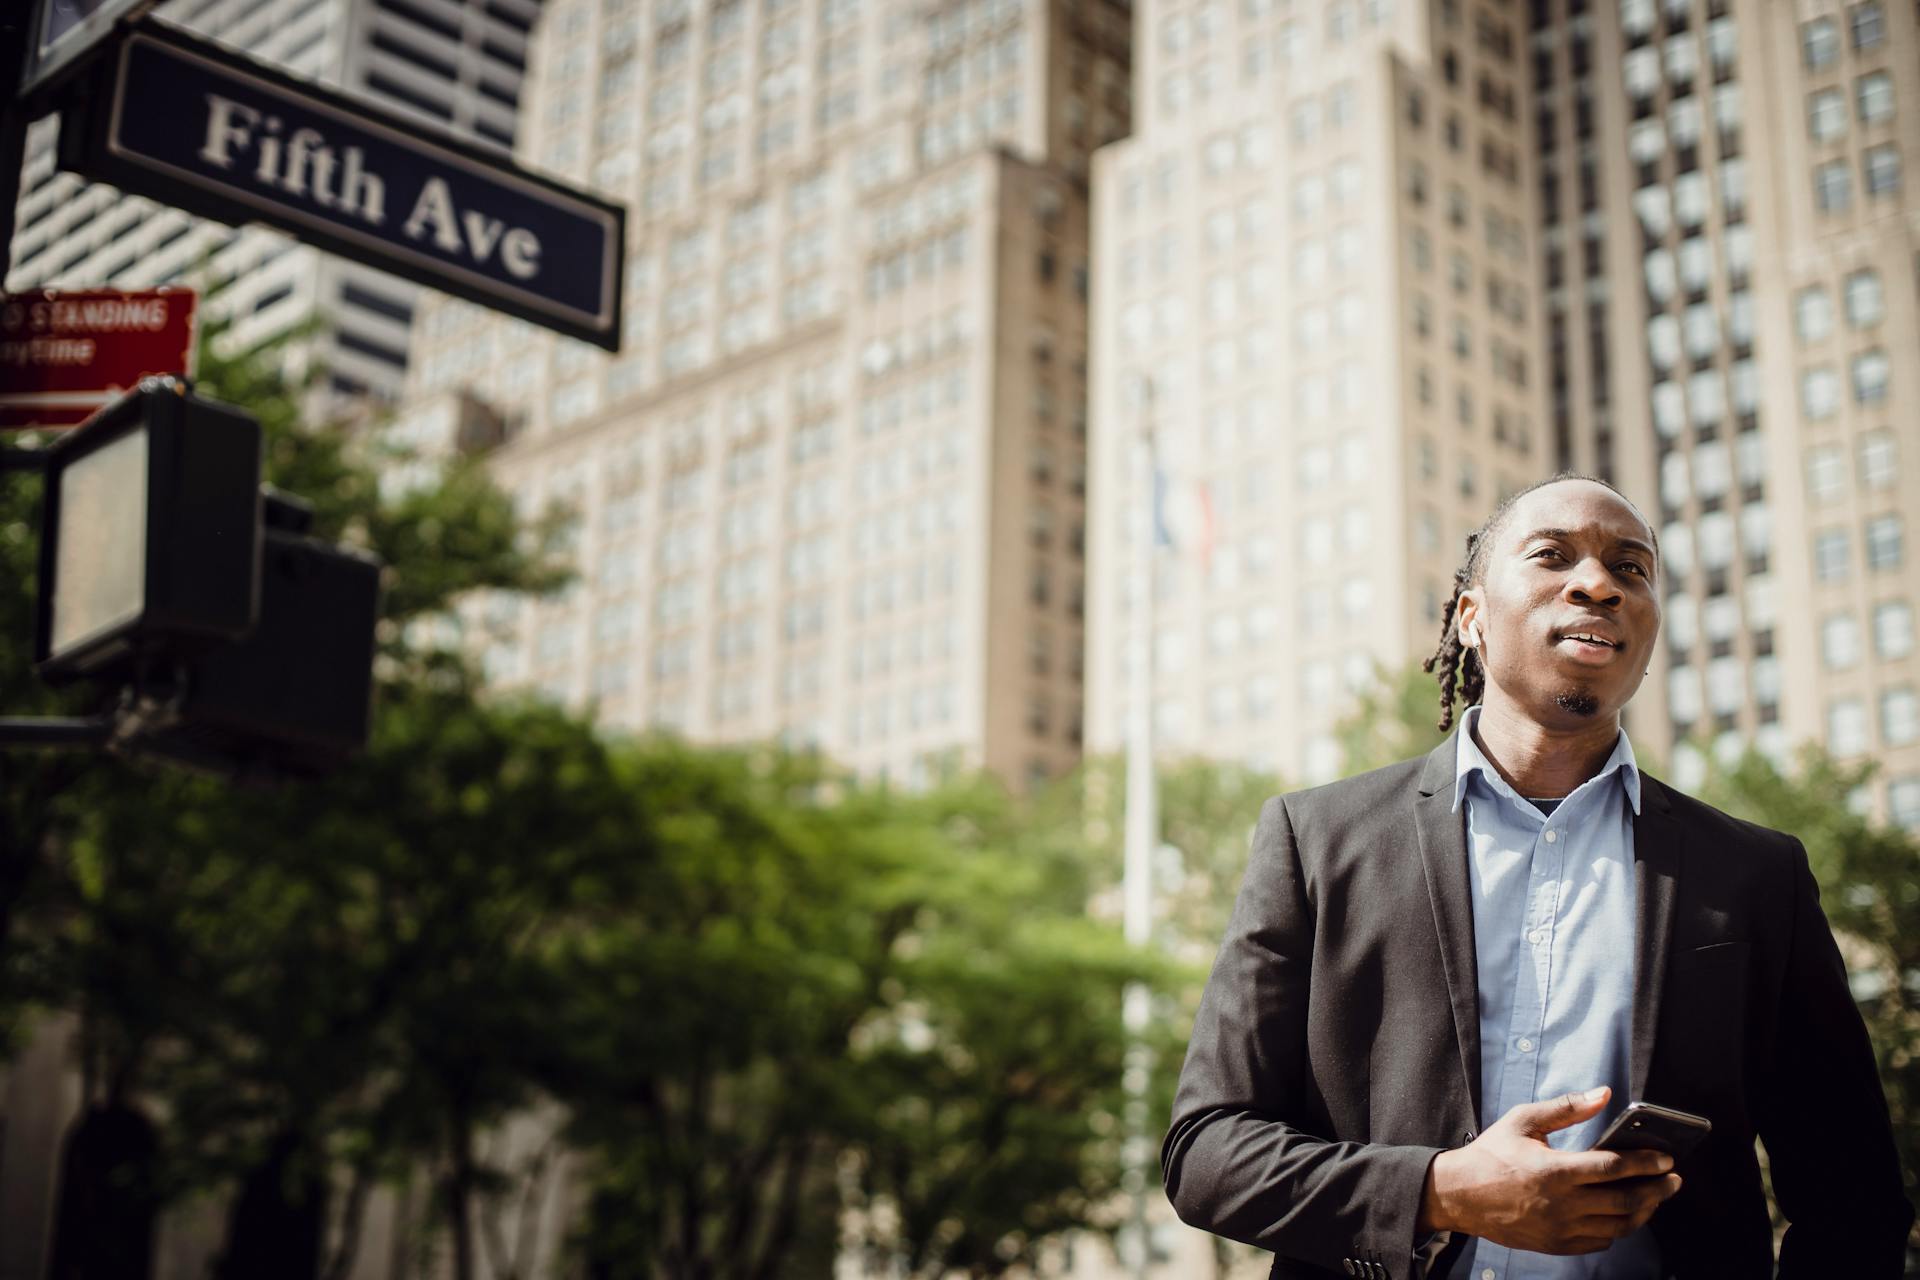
1473 636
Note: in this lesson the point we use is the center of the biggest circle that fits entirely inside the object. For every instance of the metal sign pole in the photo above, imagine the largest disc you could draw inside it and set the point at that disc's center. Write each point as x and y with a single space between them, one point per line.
1142 826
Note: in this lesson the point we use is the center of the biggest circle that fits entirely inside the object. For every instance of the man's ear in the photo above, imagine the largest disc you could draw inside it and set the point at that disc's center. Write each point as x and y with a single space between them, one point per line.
1466 620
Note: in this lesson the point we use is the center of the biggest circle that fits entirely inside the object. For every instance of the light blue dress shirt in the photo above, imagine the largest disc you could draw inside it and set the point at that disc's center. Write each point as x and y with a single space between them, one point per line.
1553 934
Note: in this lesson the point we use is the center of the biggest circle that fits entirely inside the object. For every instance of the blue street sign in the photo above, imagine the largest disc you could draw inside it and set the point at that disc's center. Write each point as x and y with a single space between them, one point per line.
196 126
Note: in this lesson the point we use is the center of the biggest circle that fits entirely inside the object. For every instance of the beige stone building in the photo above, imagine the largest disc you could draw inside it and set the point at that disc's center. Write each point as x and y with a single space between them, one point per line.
1385 264
1730 255
1319 249
831 487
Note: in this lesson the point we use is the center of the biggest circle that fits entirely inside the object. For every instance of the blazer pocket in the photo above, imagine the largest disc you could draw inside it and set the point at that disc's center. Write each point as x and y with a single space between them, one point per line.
1703 1012
1714 949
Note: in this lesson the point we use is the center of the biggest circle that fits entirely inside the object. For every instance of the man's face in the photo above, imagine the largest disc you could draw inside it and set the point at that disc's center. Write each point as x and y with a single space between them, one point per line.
1568 608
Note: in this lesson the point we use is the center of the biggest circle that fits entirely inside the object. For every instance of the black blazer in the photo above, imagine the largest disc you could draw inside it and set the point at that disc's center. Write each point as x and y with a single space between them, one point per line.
1336 1050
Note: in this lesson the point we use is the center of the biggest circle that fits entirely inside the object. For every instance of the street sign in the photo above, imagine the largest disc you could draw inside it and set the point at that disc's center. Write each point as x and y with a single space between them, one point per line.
64 352
196 126
65 31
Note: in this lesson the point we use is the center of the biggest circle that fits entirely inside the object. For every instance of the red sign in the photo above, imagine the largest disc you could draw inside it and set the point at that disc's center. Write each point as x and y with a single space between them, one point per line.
66 352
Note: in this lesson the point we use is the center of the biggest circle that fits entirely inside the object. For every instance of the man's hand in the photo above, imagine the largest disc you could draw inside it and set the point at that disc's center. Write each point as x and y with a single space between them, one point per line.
1510 1187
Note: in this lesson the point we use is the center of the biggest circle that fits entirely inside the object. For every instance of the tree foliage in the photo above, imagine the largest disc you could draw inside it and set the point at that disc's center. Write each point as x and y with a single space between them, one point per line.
1396 717
753 991
1869 877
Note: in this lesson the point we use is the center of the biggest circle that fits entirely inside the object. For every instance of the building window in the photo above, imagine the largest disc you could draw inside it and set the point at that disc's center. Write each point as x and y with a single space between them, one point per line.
1722 43
1884 542
1893 629
1869 24
1878 460
1826 473
1813 313
1840 642
1726 685
1819 44
1870 373
1846 727
1819 393
1830 555
1304 120
1882 166
1826 115
1702 328
1866 301
1832 187
1899 716
1875 96
1683 695
1903 802
1640 73
1716 540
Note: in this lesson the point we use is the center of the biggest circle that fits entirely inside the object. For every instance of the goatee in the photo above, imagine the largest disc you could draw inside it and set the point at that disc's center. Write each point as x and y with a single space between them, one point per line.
1578 701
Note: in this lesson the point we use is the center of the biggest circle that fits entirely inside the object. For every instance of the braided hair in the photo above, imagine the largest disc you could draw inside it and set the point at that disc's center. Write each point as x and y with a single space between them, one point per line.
1458 668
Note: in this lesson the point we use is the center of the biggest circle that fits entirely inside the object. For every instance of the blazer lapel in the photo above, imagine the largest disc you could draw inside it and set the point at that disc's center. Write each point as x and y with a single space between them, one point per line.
1443 851
1656 879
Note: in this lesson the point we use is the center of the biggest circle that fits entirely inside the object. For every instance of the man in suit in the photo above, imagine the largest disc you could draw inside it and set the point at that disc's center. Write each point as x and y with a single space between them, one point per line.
1444 977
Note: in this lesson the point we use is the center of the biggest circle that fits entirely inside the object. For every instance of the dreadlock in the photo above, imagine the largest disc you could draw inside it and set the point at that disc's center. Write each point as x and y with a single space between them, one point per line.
1458 666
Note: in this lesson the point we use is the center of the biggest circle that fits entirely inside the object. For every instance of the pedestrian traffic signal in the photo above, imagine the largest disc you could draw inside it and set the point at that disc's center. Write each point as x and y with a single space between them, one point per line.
150 534
233 639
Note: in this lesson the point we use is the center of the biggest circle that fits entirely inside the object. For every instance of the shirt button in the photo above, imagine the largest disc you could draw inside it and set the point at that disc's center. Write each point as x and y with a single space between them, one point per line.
1552 835
1537 937
1486 1274
1526 1045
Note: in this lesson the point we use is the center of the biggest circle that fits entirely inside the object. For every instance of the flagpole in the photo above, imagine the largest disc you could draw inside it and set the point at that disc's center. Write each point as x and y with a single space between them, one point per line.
1142 818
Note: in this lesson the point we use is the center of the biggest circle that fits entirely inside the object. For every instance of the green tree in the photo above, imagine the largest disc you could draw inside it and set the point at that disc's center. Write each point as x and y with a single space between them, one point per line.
1000 1065
1869 877
1207 813
890 998
1395 718
283 972
757 990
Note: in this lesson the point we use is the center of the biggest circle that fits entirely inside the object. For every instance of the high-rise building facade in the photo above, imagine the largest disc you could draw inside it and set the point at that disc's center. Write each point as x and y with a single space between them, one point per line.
456 65
1670 243
1731 272
830 488
1316 277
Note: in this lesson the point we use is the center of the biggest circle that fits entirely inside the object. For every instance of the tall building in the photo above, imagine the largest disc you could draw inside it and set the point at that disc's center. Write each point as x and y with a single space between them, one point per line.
831 487
1382 266
1731 252
452 64
1316 272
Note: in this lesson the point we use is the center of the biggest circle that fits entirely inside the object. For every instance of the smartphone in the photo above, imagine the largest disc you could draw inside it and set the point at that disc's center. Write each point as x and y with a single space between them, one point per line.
1645 1127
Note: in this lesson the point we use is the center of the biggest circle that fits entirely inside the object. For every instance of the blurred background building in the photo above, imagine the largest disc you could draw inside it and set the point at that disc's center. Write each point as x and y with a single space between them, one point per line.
889 333
831 489
1384 265
453 64
1730 255
1318 251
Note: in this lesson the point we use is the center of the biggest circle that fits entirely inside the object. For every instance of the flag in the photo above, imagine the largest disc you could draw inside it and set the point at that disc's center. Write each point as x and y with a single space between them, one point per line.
1183 516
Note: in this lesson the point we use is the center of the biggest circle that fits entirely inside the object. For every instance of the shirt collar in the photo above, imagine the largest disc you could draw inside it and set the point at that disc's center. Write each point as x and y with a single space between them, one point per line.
1468 759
